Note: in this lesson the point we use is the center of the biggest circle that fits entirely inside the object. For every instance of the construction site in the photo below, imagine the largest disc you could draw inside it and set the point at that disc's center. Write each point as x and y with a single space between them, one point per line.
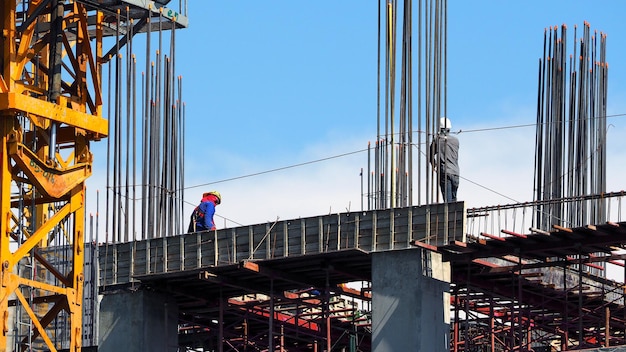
412 270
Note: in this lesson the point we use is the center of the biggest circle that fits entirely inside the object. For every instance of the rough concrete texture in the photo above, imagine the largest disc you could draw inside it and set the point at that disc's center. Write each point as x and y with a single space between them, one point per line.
410 301
607 349
138 321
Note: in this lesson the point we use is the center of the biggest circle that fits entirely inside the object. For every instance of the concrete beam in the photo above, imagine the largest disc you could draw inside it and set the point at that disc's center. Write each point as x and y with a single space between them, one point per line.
410 301
138 321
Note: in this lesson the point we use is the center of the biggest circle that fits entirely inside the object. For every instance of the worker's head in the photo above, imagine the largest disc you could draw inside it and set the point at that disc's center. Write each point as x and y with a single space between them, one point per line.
445 125
215 195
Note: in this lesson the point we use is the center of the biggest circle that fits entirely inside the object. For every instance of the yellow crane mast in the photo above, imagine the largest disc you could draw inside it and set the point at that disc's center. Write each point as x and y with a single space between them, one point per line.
50 111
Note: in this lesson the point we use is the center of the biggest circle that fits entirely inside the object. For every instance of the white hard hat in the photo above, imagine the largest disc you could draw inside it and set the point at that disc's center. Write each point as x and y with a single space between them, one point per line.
445 124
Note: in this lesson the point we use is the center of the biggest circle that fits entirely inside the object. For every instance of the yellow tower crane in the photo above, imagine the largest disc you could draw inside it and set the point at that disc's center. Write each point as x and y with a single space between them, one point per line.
50 111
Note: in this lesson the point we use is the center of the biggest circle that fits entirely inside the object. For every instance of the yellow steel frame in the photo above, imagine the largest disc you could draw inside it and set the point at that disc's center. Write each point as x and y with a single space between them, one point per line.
56 185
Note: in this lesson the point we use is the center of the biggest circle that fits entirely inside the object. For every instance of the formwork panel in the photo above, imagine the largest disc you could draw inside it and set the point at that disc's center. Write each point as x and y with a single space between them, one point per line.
294 233
456 221
440 223
421 226
402 219
259 243
311 235
242 242
191 245
330 233
224 247
347 231
383 236
172 254
140 265
106 265
376 230
366 223
123 262
276 240
155 259
207 249
437 234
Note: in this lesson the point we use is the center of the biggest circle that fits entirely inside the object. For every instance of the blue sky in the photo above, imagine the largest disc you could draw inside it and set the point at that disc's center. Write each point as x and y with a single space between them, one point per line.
270 84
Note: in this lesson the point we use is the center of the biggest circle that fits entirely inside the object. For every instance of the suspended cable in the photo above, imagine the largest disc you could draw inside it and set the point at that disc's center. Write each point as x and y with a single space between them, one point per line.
277 169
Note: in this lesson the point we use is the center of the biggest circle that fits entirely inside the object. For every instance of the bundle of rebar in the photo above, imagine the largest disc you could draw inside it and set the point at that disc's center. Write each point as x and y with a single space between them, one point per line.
570 155
145 162
390 184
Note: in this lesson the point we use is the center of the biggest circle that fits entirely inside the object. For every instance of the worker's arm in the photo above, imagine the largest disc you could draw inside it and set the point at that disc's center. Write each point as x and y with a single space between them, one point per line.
433 153
208 216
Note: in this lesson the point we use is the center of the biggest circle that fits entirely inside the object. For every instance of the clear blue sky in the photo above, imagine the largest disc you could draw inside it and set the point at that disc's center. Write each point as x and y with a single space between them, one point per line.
269 84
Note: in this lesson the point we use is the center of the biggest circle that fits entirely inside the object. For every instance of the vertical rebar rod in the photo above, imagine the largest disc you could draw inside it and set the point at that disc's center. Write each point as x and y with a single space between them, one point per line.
391 99
181 170
393 154
369 191
134 153
419 108
146 136
108 164
409 103
129 26
376 145
116 142
570 139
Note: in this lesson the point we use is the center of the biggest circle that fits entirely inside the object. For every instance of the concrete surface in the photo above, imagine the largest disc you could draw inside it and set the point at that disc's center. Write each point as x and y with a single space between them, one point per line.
410 301
136 322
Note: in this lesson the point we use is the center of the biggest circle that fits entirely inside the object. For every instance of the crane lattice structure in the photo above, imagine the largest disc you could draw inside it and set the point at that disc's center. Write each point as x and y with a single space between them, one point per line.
51 109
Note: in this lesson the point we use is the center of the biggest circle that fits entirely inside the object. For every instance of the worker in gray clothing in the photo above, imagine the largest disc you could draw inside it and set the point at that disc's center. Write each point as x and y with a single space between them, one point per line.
444 157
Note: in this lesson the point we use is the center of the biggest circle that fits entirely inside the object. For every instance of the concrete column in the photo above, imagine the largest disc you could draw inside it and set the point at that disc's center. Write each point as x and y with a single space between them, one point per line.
410 301
138 321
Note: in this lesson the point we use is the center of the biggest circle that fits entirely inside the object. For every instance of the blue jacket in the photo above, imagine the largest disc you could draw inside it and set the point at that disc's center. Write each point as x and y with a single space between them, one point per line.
204 216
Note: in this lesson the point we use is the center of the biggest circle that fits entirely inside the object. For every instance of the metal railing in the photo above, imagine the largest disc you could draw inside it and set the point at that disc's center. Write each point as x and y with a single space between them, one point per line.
541 215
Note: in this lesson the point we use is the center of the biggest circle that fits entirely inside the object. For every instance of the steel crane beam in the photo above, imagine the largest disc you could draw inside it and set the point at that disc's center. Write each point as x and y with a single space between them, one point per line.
49 82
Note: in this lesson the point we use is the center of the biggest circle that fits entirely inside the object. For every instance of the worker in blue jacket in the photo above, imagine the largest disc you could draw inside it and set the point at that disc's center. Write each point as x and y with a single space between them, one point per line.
202 216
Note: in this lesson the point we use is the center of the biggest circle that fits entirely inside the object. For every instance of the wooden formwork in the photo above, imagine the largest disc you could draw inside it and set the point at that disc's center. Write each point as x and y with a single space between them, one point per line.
369 231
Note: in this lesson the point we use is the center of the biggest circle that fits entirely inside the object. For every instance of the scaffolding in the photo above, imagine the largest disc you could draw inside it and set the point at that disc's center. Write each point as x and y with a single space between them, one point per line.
289 282
537 291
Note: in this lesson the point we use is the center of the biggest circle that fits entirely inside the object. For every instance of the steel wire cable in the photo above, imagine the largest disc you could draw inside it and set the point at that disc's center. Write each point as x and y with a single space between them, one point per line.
282 168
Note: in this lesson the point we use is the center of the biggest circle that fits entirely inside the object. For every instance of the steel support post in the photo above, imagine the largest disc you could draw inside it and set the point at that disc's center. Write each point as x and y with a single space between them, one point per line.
607 327
221 324
492 334
580 301
455 339
327 313
565 324
270 333
245 334
282 338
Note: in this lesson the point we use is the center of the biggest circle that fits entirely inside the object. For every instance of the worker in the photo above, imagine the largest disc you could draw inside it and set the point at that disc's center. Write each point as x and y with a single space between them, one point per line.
444 157
202 216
